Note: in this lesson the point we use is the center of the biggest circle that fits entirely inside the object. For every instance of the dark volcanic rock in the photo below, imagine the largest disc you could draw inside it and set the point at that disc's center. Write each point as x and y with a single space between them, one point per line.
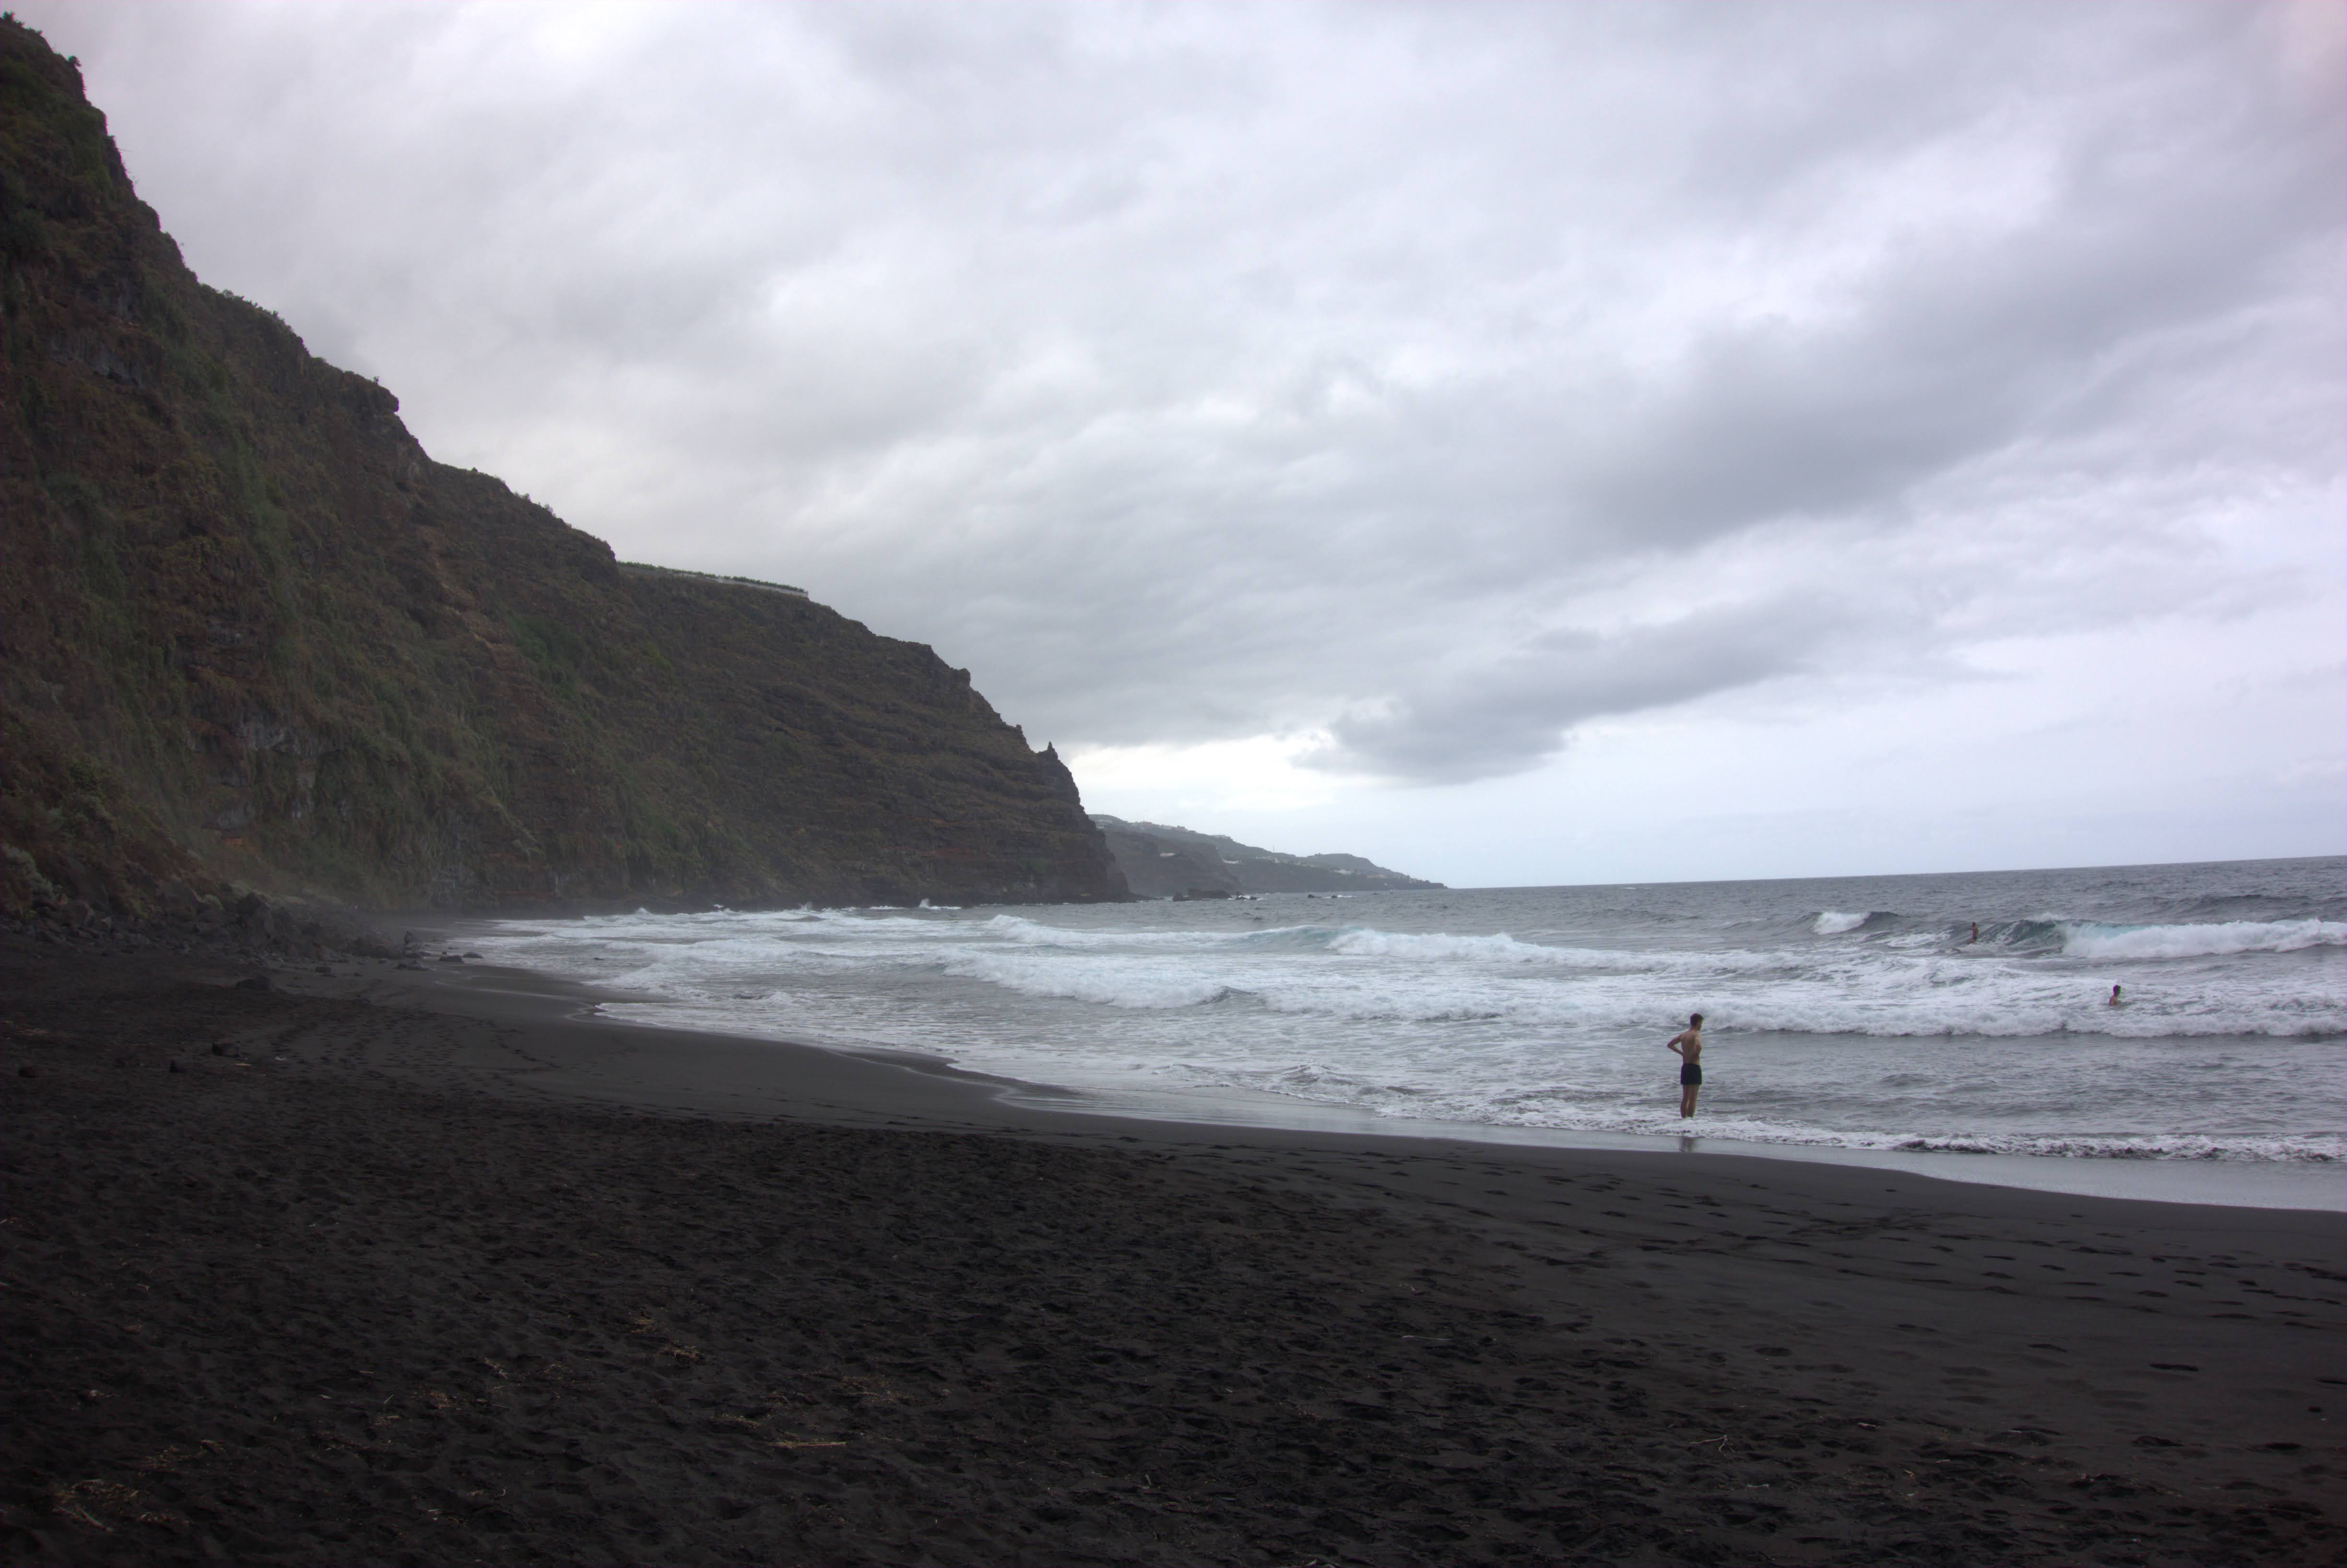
252 635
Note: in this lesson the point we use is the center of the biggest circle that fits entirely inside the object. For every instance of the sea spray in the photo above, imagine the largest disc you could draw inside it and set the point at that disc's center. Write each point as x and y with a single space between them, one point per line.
1856 1013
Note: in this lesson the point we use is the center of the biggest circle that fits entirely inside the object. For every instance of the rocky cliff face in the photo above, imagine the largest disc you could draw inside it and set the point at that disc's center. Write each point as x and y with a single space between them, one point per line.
250 632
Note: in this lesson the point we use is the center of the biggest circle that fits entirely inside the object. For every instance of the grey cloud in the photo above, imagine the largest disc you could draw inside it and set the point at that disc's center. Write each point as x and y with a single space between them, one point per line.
1515 711
1196 371
1952 353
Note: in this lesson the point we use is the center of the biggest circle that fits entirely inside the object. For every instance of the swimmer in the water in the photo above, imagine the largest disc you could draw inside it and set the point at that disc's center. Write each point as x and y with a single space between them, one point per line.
2115 1001
1975 937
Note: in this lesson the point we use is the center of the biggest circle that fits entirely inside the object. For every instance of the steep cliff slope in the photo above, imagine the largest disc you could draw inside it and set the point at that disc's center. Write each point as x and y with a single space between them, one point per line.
1162 862
249 631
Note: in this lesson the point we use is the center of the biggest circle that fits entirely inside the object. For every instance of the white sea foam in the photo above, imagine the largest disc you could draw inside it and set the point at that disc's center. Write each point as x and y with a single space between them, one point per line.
1433 976
1499 947
2092 939
1547 1008
1117 986
1370 975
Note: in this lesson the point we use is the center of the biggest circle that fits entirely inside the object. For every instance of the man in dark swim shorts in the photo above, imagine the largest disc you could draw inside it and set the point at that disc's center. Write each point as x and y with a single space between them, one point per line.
1688 1045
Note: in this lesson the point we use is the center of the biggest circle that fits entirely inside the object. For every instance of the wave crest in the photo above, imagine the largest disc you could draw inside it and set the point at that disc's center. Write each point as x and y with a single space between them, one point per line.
2094 939
1367 941
1143 990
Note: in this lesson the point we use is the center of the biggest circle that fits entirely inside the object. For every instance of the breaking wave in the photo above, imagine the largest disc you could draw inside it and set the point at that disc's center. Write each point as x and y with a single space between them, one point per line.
1858 1013
2092 939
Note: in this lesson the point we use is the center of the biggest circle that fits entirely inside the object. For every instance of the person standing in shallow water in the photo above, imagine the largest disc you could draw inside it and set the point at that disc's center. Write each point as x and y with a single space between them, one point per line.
1688 1045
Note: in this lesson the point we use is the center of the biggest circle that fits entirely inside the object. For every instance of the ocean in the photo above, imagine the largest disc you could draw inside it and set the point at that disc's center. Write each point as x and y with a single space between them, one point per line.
1853 1013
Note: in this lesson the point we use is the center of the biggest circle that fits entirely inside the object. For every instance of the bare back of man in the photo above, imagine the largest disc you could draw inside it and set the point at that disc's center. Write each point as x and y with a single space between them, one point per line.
1688 1044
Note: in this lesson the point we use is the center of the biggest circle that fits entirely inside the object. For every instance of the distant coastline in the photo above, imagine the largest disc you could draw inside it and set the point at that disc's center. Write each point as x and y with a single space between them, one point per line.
1162 861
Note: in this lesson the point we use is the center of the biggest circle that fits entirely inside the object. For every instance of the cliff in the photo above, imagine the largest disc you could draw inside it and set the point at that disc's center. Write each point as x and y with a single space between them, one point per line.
252 634
1162 862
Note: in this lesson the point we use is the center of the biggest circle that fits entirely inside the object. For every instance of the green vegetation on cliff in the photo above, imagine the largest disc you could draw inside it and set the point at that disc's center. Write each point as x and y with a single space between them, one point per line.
250 632
1162 862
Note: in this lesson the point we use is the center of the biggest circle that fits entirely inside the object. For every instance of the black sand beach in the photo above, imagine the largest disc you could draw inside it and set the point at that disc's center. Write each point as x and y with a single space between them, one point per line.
407 1268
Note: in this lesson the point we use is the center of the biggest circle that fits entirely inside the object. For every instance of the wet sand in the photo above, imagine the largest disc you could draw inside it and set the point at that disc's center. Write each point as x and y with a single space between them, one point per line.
424 1267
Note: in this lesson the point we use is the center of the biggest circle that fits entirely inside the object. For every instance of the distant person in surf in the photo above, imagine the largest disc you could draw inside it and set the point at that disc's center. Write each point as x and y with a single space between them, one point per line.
2115 1001
1975 937
1688 1044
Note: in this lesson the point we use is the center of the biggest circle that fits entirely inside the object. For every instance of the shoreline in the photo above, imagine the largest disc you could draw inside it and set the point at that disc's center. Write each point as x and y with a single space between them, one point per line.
450 1272
2312 1185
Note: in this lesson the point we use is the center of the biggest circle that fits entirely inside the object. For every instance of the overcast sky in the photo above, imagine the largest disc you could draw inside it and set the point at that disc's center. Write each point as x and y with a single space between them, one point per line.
1519 443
